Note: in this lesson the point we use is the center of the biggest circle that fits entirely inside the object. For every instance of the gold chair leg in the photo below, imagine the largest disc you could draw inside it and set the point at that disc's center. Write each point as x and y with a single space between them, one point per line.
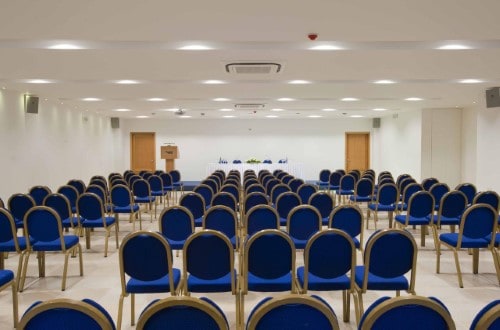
475 261
438 257
80 258
457 264
25 268
120 313
496 261
132 309
20 268
15 303
116 234
106 238
65 270
423 229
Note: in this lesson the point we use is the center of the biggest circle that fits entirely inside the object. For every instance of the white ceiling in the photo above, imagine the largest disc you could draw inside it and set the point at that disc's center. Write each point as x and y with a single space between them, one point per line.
123 39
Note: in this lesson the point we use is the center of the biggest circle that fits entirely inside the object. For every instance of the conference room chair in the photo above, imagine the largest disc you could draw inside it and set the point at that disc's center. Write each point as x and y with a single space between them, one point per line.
324 179
381 182
276 191
409 312
177 182
103 195
176 225
156 185
123 203
233 189
206 192
303 221
403 184
7 280
420 212
329 263
386 199
305 191
64 313
287 178
195 203
363 191
132 179
60 204
324 203
488 318
91 215
394 247
262 271
427 183
71 194
208 265
225 199
270 186
39 193
295 183
451 208
438 190
265 178
478 226
145 267
402 177
146 175
253 199
182 313
78 184
158 172
292 312
256 187
258 218
225 220
101 183
118 181
212 183
487 197
469 190
10 242
19 205
346 187
285 202
408 191
348 218
248 181
168 183
44 233
232 180
334 181
280 174
142 195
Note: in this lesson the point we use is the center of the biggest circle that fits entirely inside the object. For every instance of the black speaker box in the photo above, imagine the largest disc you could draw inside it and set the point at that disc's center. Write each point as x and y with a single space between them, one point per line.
30 103
115 122
493 97
376 123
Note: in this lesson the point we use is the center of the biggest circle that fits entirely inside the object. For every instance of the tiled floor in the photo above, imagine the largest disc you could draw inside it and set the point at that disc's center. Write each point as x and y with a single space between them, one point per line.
101 282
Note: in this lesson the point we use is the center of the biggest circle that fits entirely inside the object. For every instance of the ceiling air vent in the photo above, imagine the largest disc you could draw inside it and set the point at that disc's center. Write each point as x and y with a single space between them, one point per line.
253 68
249 106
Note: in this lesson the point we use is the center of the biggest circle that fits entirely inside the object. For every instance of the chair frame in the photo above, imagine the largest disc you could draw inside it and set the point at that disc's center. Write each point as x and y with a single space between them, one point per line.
15 309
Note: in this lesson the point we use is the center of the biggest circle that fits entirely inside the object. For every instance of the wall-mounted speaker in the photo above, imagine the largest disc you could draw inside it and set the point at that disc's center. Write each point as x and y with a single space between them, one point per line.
115 122
376 123
493 97
30 103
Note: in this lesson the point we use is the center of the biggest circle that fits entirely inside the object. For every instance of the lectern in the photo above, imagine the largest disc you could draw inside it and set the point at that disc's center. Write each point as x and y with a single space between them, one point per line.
170 154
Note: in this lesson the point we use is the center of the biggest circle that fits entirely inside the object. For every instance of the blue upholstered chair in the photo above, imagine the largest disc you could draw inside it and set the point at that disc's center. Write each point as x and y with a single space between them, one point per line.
78 184
389 255
213 182
123 202
285 202
145 267
478 226
44 233
329 263
409 189
60 204
225 220
292 312
409 312
254 199
305 191
71 194
294 184
231 188
270 186
363 192
303 222
287 178
276 191
324 179
260 217
334 180
132 179
156 185
19 205
195 203
420 212
206 192
248 181
177 182
39 193
176 225
255 187
346 187
324 203
142 195
7 279
438 190
488 318
427 183
168 183
348 218
225 199
386 200
469 190
66 313
182 313
487 197
101 192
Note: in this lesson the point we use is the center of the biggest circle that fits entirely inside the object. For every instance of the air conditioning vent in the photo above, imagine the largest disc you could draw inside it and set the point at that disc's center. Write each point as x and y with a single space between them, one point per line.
249 106
253 68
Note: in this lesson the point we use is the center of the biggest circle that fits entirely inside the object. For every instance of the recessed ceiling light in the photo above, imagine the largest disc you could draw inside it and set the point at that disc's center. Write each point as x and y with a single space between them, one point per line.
91 99
356 116
39 81
65 46
141 116
328 109
156 99
229 116
226 109
454 47
3 87
221 99
170 109
470 81
185 116
277 109
299 82
314 116
122 110
349 99
379 109
285 99
413 99
384 82
195 47
127 82
214 82
325 47
271 116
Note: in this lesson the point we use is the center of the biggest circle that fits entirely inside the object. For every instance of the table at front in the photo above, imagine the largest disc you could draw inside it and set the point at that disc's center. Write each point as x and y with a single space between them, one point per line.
294 169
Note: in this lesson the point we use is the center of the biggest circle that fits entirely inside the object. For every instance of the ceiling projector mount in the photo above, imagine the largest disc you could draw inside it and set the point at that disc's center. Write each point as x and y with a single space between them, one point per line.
180 112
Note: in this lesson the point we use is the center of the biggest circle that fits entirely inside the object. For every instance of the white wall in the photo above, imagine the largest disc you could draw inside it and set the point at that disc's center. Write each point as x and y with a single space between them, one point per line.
51 147
469 145
488 149
316 143
400 141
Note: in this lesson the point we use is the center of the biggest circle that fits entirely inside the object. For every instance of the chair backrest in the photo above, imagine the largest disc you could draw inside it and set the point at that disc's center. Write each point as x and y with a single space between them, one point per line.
121 196
322 248
90 206
407 312
182 313
118 181
261 217
39 193
60 204
223 219
194 202
488 197
133 249
376 258
277 191
286 202
253 199
232 180
404 183
8 231
428 183
452 205
411 189
71 194
322 201
133 179
141 188
176 223
232 189
271 184
155 183
348 218
249 181
43 224
469 190
78 184
212 183
206 192
265 178
292 312
324 175
280 174
294 184
225 199
287 178
335 177
402 177
100 183
347 182
421 205
98 191
166 179
19 204
303 221
259 262
438 190
256 187
478 221
209 255
305 191
175 175
59 313
488 317
364 187
387 194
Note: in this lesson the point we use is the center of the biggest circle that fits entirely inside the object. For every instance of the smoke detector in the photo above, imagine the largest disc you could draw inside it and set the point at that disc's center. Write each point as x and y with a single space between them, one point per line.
253 68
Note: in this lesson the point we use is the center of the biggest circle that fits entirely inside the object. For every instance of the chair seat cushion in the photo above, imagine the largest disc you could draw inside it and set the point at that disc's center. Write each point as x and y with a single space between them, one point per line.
9 246
70 222
6 276
356 198
413 221
168 188
283 283
319 284
345 191
467 242
447 220
198 222
176 245
299 243
147 199
381 207
55 245
380 283
98 222
222 284
126 209
160 285
158 193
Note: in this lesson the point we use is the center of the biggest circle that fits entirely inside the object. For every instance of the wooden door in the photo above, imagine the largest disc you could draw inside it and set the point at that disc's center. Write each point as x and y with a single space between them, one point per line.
142 151
357 151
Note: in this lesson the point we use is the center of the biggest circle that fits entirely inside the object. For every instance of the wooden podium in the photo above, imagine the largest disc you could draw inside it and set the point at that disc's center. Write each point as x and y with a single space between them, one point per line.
170 154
